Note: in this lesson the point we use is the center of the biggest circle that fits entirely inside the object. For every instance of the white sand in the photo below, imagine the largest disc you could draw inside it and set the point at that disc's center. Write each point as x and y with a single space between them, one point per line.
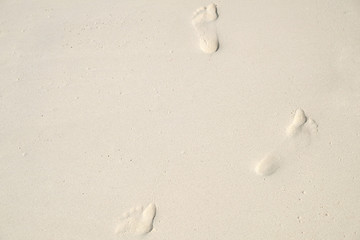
110 105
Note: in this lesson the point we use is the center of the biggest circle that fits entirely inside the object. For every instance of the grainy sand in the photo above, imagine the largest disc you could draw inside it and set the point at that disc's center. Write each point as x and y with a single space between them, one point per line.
113 107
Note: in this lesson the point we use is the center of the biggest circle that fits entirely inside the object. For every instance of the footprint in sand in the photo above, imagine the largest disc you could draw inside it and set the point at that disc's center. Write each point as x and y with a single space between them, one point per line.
203 21
137 221
300 128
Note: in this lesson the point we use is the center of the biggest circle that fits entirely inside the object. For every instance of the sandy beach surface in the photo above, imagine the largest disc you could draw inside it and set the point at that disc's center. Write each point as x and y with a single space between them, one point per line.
181 120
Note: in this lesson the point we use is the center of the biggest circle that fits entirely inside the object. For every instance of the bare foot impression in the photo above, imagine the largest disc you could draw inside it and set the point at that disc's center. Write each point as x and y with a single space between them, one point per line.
300 128
137 221
203 21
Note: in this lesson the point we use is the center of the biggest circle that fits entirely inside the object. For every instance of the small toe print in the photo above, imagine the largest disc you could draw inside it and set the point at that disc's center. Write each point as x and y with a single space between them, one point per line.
211 12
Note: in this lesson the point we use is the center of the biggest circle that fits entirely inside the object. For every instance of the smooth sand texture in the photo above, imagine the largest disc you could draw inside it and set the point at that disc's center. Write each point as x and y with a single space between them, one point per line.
110 105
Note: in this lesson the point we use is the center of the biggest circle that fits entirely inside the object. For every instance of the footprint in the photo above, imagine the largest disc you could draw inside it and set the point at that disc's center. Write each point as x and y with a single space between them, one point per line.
138 221
299 132
203 21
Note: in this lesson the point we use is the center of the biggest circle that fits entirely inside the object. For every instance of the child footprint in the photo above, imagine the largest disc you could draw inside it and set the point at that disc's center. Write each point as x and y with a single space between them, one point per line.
203 22
138 221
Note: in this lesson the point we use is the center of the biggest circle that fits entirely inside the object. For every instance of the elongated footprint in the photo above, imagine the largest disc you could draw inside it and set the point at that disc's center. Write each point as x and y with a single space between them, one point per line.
203 21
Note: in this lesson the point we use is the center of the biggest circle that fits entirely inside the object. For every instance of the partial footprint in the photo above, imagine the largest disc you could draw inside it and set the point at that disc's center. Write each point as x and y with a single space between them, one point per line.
203 22
268 165
299 133
310 126
297 122
138 221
